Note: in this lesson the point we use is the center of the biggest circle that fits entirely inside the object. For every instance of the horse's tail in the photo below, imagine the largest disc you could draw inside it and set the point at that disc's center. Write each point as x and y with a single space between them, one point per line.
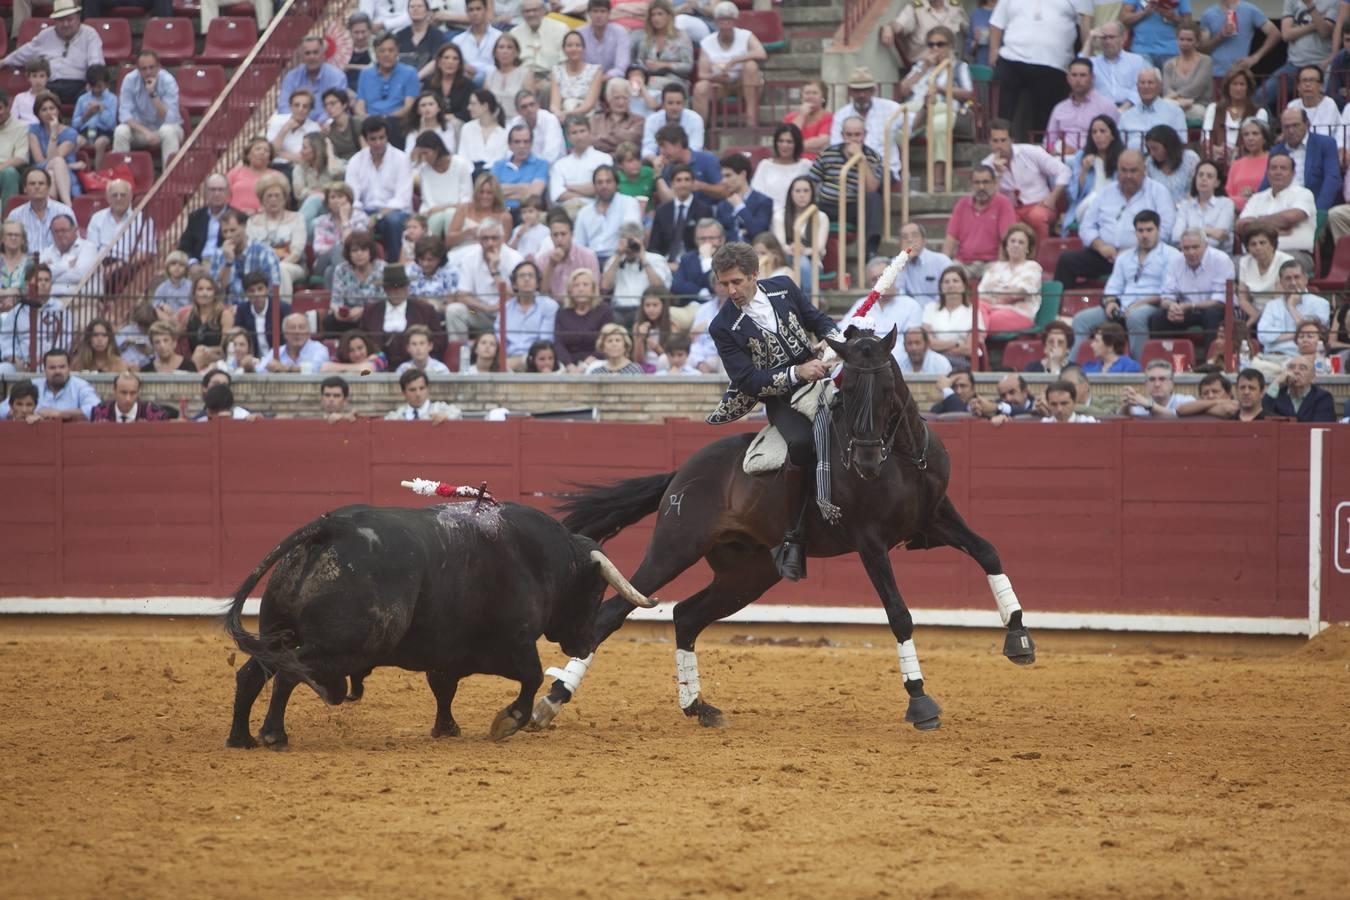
603 510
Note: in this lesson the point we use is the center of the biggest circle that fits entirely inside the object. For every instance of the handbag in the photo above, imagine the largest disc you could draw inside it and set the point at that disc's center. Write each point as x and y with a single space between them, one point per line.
98 180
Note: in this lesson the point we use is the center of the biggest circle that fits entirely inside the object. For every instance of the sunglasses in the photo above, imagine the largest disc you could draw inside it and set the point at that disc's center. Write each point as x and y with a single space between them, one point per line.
937 44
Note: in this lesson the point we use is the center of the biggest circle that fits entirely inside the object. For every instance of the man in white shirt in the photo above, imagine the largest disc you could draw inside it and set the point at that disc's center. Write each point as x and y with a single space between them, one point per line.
703 353
674 111
598 221
135 244
381 178
477 43
485 277
874 111
917 358
1195 289
419 353
1060 399
1324 117
1115 69
569 181
631 271
544 126
892 310
418 405
1030 48
1290 209
70 257
298 353
540 38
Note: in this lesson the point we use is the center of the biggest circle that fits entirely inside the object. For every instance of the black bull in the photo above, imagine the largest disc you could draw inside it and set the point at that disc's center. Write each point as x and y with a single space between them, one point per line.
450 590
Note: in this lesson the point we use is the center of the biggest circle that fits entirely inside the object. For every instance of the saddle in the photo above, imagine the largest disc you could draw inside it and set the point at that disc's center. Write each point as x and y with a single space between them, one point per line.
767 453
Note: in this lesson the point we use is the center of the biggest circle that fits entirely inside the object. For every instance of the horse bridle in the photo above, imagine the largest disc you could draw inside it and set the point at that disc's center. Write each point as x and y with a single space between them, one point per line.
888 433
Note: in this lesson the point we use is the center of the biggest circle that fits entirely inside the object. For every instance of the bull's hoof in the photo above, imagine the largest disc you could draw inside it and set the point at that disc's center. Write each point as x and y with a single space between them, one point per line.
451 730
507 723
708 715
274 740
923 713
245 742
544 713
1019 647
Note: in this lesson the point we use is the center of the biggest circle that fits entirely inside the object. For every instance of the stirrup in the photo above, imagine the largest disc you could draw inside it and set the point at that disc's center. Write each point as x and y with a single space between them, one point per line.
789 558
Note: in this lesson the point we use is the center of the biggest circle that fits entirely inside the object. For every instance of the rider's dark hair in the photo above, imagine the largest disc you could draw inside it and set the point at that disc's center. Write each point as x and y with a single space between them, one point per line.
736 255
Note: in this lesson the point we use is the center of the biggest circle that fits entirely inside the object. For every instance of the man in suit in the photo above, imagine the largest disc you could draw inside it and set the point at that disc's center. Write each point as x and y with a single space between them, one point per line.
1314 156
201 237
692 283
390 319
254 314
673 222
126 405
765 322
746 213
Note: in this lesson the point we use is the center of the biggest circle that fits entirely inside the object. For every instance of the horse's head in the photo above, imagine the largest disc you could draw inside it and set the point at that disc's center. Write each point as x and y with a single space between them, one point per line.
871 410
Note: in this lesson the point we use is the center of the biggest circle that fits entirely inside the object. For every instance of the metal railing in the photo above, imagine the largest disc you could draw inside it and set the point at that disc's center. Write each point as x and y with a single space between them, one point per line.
842 237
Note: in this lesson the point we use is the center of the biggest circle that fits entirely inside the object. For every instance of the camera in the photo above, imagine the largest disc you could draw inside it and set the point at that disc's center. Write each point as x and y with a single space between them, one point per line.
633 246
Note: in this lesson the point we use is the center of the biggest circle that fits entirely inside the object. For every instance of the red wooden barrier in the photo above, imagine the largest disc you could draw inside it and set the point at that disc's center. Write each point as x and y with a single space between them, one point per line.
1200 519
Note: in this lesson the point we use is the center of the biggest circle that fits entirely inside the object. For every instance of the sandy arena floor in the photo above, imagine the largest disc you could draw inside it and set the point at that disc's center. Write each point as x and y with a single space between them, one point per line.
1143 772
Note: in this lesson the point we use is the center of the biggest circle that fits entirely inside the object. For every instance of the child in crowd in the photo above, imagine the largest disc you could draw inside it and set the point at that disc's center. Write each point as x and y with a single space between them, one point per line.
531 235
636 179
652 329
483 357
677 357
39 71
414 231
239 357
175 291
133 338
419 351
96 113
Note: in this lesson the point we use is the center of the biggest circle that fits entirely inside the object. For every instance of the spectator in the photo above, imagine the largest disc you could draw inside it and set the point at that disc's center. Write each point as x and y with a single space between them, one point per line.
874 112
540 38
920 277
665 53
60 395
477 42
745 212
677 357
239 256
127 238
98 351
287 130
1151 111
1251 392
418 43
1157 29
167 359
339 221
239 358
597 225
1033 179
133 338
418 404
70 257
1072 117
566 256
147 110
978 222
1216 399
1194 289
730 56
22 403
905 36
1011 287
243 178
1310 341
977 47
1056 338
531 237
14 261
1248 171
1135 287
431 278
36 216
95 115
342 129
530 315
578 323
694 281
1298 398
126 405
428 116
917 357
576 83
482 141
1090 168
1306 27
674 111
947 319
218 403
509 77
1314 155
313 75
1168 163
298 352
636 178
615 124
449 83
1030 47
1104 232
1324 116
1096 406
68 47
1287 208
279 229
1108 341
207 321
201 237
488 205
1259 270
51 145
357 353
333 395
38 72
52 317
386 90
772 259
316 172
1226 32
13 151
800 233
674 150
653 329
380 177
483 283
389 320
254 314
774 175
1059 399
703 350
1206 209
1161 399
1279 320
542 358
361 30
1115 71
570 177
606 44
1224 120
444 180
958 389
545 129
1014 399
1188 77
613 348
825 172
484 356
674 221
419 353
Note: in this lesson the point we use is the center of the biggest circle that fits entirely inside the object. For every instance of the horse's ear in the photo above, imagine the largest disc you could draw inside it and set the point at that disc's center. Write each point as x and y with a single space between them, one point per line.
889 340
837 346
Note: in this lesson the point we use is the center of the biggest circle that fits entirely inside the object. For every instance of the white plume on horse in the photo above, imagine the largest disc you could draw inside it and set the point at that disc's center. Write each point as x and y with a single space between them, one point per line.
864 322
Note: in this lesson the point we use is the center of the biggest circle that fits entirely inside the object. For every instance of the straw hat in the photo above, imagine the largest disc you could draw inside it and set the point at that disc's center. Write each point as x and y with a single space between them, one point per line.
64 8
861 79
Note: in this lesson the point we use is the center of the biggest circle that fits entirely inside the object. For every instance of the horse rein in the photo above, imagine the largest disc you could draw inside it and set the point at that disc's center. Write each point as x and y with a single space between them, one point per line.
919 462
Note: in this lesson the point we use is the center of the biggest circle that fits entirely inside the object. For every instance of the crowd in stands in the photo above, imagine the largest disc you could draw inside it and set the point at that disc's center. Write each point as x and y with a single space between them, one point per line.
477 162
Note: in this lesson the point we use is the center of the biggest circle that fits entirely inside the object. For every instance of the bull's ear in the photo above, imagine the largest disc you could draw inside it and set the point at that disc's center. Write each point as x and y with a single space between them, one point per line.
889 340
838 346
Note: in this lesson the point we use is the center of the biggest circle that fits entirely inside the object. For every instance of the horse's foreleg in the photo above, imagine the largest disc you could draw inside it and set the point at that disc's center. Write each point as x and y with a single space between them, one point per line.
923 711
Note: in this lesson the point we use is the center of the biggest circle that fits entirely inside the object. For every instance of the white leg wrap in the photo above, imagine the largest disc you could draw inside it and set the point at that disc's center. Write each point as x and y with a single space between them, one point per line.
1004 596
686 675
572 673
909 661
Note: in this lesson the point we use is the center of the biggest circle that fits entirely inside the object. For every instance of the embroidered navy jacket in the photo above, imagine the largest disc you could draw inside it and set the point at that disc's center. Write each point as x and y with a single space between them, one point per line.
759 363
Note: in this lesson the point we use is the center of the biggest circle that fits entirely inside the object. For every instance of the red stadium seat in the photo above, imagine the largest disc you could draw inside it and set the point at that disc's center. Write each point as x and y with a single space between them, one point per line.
85 205
1018 353
199 86
1047 254
229 40
1074 302
13 82
452 351
1167 350
4 39
172 39
1084 354
766 25
187 9
1339 276
14 203
29 30
756 152
307 301
141 163
116 35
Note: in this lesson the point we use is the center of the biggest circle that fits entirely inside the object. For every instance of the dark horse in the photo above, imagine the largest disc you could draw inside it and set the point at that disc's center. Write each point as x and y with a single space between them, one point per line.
889 476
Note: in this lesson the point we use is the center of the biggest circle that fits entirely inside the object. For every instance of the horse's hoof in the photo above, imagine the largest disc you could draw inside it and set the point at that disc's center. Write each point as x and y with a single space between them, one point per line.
273 741
544 713
507 723
708 715
1019 647
241 743
452 730
923 713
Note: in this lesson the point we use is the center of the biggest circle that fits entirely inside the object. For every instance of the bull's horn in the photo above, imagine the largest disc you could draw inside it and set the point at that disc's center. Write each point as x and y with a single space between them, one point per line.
616 580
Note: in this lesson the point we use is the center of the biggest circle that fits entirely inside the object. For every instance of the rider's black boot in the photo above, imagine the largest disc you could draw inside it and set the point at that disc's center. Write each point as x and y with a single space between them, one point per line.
790 557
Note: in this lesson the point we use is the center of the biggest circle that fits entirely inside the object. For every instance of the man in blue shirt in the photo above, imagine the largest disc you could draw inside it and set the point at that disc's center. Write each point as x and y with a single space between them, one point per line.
60 394
523 174
240 255
1106 230
1115 70
1226 31
387 88
923 273
1155 27
673 146
314 75
1195 289
1150 110
1135 288
147 110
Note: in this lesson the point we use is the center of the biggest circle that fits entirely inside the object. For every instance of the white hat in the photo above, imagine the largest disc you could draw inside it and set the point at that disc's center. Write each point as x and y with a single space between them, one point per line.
726 10
64 8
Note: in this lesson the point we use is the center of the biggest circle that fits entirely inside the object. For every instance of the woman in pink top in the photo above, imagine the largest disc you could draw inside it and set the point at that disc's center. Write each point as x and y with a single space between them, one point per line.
1247 171
1011 288
243 178
812 118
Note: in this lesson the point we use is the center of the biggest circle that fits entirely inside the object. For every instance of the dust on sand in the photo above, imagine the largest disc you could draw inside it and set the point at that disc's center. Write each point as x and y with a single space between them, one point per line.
1137 774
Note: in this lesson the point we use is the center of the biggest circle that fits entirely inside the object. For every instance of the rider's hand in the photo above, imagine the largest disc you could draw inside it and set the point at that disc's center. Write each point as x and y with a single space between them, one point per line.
812 370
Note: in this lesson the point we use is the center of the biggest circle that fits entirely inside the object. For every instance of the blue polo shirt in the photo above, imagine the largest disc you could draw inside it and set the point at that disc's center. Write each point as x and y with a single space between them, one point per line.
507 172
706 168
384 96
1153 35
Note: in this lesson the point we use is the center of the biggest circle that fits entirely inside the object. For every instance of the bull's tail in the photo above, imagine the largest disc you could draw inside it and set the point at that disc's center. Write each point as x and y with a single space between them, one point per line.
270 649
603 510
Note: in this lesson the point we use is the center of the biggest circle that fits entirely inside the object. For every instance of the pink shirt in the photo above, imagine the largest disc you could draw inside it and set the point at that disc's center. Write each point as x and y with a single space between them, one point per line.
1031 175
1245 172
979 232
1070 121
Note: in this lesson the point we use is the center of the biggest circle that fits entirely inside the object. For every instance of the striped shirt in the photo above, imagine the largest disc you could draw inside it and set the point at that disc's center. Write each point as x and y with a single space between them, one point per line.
825 173
39 228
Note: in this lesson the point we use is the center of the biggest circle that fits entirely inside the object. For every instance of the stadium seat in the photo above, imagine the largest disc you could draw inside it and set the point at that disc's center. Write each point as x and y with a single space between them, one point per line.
187 9
756 152
1167 349
85 205
1084 354
29 30
452 351
229 40
1020 352
172 39
13 82
199 86
116 35
14 203
1047 254
1052 292
766 25
141 163
1339 276
4 39
1074 302
310 300
122 72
